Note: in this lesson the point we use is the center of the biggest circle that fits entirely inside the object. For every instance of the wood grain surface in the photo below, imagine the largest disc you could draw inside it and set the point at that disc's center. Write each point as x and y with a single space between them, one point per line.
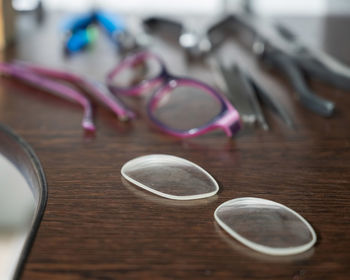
98 227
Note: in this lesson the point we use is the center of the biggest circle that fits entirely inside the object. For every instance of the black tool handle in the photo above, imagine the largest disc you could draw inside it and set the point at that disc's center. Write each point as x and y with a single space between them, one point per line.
308 98
311 65
318 71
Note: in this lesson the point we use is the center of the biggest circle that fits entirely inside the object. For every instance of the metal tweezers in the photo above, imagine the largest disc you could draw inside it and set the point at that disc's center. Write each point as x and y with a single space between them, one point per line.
247 95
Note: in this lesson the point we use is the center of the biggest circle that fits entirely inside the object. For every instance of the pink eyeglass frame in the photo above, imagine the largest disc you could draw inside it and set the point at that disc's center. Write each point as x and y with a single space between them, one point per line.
228 119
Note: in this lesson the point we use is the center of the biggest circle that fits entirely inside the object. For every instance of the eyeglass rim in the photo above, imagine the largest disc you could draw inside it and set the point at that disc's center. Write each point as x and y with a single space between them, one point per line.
217 122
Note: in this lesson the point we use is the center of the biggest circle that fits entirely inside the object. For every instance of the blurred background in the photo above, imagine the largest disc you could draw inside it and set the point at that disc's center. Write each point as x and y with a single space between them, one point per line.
320 31
204 7
319 23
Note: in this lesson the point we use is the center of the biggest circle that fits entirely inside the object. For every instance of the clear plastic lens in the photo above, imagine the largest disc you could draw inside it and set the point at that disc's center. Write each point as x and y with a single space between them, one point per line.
169 176
137 72
185 107
265 226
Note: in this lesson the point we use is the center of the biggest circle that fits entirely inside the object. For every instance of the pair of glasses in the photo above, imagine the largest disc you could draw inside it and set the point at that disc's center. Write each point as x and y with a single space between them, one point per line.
180 106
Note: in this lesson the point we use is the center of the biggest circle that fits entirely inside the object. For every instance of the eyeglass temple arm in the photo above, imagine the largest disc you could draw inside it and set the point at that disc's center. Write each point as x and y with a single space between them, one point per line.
96 89
53 87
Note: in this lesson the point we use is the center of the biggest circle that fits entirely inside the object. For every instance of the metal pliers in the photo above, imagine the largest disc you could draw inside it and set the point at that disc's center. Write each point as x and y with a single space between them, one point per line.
279 48
197 42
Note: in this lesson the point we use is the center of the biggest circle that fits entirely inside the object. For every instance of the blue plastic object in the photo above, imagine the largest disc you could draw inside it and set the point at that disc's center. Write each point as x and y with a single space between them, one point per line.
82 33
80 39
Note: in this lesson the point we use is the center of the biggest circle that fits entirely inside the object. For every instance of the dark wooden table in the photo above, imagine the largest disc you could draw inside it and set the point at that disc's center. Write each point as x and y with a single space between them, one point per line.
96 227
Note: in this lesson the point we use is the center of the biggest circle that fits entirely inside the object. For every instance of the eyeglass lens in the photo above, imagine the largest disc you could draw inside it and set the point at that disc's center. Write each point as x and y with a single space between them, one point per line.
265 226
169 176
186 107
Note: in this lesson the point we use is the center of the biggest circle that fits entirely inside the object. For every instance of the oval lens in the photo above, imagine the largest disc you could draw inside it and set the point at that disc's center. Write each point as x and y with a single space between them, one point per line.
138 71
169 176
184 108
265 226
